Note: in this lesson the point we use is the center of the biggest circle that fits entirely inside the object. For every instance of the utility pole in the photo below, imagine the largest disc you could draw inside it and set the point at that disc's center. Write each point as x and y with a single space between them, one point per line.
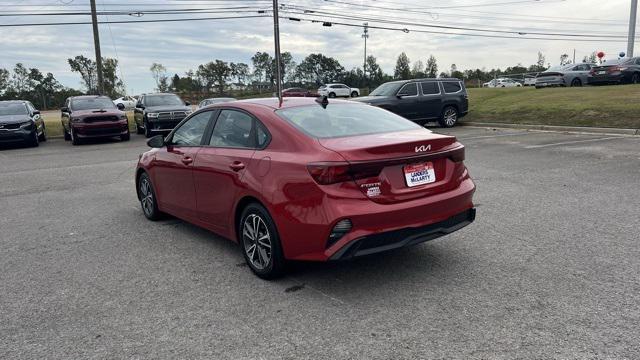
276 36
96 44
365 36
632 28
574 56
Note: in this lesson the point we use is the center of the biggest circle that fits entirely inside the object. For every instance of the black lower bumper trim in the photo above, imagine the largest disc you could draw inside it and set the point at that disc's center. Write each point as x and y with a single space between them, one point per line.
404 237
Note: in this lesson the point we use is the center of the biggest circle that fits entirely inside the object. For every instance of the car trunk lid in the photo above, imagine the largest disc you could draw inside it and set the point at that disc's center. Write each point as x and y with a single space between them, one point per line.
400 166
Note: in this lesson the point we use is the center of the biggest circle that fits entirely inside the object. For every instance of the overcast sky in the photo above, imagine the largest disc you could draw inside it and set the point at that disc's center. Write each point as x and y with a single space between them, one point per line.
181 46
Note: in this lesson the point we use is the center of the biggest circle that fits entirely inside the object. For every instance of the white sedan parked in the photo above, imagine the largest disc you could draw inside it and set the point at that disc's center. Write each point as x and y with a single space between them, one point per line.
338 90
502 83
129 102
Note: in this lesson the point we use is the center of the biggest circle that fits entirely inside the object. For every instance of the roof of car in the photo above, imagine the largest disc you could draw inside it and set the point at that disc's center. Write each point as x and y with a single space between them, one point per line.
159 94
89 97
13 101
273 103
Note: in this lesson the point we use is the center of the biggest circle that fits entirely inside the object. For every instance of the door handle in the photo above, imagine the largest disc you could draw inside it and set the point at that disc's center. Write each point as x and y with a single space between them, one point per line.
187 160
236 166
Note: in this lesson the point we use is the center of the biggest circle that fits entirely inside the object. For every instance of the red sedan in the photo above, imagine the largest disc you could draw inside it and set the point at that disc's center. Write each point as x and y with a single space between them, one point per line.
308 180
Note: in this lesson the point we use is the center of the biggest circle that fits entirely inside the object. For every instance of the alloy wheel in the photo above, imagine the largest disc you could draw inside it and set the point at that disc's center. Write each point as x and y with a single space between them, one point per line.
146 196
257 241
450 117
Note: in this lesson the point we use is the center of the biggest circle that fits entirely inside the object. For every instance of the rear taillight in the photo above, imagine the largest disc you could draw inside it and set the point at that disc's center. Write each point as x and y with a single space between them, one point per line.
329 172
457 155
326 173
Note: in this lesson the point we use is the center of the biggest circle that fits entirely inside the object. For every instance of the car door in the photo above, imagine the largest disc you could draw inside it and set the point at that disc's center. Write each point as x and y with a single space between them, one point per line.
173 166
408 101
221 165
431 100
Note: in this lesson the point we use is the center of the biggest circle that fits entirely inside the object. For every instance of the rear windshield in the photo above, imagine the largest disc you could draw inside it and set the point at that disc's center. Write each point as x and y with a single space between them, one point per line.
92 103
341 120
159 100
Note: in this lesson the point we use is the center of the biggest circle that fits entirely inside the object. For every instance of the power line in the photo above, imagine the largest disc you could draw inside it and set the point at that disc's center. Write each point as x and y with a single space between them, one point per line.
135 21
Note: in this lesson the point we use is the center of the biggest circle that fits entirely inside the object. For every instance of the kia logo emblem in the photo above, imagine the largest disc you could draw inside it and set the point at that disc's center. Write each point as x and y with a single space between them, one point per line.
423 148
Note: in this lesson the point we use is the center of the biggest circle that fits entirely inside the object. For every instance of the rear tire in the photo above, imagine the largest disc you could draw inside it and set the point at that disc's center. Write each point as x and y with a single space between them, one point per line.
260 243
635 79
576 83
449 117
148 199
332 95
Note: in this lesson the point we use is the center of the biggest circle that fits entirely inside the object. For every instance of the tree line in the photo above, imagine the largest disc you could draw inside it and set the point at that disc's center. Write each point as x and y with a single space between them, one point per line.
224 78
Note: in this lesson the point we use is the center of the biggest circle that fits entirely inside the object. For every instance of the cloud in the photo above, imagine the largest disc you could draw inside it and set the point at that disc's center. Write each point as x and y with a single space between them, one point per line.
181 46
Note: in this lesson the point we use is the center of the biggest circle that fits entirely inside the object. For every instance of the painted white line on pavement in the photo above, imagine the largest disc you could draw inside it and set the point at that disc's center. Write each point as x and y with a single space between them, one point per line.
573 142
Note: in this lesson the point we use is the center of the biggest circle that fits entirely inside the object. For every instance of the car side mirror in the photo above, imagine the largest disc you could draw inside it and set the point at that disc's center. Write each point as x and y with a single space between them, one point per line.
400 96
36 112
64 109
187 103
156 142
120 106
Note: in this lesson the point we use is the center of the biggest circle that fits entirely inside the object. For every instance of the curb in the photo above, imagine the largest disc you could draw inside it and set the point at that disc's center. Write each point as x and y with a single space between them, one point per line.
576 129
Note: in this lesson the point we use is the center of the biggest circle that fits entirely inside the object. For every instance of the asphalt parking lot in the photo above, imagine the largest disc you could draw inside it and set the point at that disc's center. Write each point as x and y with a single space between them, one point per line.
550 268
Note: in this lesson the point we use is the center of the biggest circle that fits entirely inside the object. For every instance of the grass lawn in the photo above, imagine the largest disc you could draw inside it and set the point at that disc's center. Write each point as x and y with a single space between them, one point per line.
598 106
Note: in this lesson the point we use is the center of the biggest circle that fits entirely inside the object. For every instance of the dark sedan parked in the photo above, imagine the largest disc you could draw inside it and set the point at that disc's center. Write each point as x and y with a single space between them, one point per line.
21 122
422 100
298 92
620 71
92 116
159 113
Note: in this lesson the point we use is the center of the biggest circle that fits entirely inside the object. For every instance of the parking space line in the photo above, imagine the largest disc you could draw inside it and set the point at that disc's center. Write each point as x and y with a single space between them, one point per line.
573 142
493 136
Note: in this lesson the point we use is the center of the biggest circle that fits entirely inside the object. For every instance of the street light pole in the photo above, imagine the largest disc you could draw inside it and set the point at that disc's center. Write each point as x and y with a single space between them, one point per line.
632 27
276 35
365 35
96 44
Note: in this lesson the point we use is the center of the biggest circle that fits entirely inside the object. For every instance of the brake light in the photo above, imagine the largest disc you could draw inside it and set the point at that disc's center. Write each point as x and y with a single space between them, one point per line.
326 173
457 155
329 172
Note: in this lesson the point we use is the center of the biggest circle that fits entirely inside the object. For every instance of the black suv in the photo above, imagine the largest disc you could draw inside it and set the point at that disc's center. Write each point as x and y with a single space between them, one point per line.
159 113
21 122
423 100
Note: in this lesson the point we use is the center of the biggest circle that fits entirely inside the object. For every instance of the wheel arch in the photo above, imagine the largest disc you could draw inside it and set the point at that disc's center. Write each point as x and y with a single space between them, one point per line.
139 173
240 206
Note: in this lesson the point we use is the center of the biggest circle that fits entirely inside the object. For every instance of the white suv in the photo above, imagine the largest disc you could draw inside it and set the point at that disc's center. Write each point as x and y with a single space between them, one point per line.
336 90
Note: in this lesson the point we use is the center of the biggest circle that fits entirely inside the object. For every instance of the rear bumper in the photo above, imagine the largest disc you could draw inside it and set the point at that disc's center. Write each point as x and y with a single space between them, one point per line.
404 237
606 79
100 129
550 83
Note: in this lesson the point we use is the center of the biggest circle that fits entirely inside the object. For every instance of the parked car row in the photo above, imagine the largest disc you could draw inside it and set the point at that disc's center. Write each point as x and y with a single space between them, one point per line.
619 71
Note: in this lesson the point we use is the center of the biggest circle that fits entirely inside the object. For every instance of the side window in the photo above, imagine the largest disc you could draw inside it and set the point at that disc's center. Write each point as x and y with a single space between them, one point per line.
430 88
233 129
410 89
451 87
191 132
263 136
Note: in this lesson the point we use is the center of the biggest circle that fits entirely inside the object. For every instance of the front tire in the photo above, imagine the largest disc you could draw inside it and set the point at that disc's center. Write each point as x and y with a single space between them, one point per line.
332 95
147 130
126 137
635 79
66 134
43 137
74 138
148 199
139 130
34 142
354 94
449 117
260 243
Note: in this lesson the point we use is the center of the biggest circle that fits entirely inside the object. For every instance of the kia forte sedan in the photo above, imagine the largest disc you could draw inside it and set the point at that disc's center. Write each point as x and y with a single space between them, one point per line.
312 180
21 122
